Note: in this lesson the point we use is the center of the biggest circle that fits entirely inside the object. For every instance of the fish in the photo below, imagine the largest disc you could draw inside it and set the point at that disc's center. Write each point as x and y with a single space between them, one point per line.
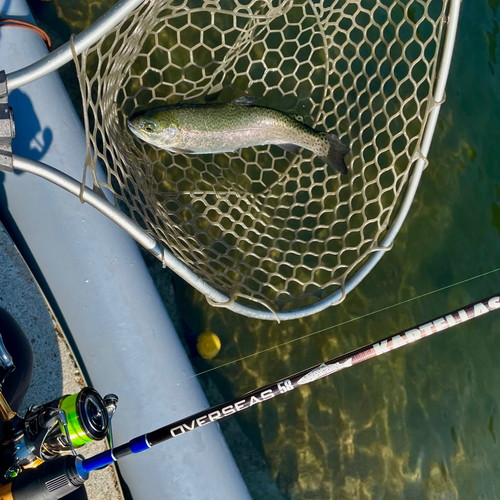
222 128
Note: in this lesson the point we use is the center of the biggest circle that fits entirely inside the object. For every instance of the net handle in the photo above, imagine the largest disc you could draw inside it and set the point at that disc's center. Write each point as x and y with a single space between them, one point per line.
59 57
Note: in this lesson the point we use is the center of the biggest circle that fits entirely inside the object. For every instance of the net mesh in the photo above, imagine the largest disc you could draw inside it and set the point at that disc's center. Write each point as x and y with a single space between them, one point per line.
263 223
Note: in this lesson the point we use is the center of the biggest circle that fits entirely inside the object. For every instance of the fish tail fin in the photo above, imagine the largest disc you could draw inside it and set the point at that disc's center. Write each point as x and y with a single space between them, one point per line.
336 154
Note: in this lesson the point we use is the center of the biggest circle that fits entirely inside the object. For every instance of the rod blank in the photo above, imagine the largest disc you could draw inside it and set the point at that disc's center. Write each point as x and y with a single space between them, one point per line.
204 417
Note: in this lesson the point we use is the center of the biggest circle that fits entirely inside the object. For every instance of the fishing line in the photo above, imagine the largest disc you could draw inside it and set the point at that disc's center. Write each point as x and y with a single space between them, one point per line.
343 323
68 473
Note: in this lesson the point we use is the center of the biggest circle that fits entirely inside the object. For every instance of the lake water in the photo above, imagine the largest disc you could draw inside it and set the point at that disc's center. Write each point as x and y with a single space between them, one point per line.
423 422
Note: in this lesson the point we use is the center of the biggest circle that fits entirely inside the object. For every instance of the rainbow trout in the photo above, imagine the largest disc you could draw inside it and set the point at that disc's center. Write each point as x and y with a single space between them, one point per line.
221 128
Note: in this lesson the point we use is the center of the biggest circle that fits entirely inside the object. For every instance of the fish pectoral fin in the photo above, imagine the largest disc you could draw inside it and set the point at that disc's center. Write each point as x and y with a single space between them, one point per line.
291 148
182 151
246 100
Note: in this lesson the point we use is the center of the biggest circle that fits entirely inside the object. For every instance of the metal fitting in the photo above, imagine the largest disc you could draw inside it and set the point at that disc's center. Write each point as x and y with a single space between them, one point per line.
7 129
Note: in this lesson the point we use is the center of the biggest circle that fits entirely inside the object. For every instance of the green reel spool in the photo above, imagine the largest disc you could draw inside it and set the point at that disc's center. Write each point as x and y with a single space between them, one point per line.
87 416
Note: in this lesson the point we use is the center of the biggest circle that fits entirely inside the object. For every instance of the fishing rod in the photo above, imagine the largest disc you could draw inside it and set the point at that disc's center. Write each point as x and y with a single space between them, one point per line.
67 473
285 385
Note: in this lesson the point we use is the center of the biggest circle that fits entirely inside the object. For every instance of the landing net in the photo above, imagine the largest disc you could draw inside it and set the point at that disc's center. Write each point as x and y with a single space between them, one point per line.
263 224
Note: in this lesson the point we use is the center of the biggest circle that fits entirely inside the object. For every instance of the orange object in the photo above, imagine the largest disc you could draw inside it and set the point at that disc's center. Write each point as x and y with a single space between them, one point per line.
18 23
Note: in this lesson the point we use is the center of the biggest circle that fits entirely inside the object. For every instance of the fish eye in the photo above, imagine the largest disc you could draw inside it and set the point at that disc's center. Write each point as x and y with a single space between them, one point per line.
149 126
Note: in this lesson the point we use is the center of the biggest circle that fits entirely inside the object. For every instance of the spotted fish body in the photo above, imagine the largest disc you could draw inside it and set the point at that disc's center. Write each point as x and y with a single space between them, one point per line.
220 128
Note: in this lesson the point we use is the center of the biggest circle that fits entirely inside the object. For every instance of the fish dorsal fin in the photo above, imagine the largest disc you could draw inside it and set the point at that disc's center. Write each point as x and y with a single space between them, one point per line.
246 100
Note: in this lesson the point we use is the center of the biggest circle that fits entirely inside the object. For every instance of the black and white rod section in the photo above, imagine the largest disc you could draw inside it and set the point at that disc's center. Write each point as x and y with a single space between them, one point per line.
262 394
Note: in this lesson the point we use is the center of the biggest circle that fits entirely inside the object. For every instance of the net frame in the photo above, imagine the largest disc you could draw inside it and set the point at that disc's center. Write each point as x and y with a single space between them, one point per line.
418 162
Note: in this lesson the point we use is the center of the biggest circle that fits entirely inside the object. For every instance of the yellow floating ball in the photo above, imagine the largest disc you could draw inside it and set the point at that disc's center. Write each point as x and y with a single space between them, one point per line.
208 345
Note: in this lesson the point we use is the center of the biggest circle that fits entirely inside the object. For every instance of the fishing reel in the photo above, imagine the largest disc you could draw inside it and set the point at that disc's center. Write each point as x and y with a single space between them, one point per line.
50 430
53 429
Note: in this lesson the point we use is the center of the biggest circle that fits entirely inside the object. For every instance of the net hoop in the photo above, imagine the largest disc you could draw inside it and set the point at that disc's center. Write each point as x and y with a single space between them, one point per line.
231 298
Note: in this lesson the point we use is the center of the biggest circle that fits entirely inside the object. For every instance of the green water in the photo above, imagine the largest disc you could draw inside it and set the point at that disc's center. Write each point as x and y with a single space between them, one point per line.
423 422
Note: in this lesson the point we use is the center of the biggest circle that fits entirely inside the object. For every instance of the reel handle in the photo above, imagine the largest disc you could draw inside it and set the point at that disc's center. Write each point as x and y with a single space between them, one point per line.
6 360
111 403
